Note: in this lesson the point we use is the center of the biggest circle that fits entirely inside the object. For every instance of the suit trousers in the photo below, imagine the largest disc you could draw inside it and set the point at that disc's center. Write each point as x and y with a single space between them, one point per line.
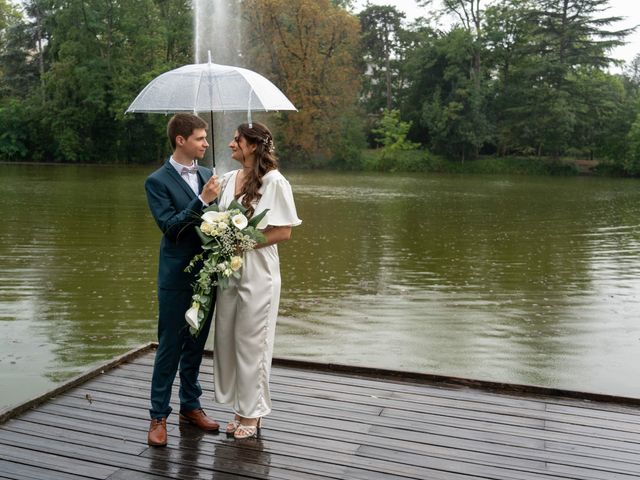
176 348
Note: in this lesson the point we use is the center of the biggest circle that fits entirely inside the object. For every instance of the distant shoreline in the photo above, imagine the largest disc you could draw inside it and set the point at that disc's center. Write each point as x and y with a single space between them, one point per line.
412 162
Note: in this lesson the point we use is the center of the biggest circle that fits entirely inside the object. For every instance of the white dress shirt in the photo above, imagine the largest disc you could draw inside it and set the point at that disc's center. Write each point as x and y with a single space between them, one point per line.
191 177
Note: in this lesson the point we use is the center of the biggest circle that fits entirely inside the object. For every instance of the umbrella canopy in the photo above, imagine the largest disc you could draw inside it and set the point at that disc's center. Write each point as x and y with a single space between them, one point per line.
209 87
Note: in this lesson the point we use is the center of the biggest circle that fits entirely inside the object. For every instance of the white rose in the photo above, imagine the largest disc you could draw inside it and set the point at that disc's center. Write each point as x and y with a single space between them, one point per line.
236 263
240 221
206 228
212 216
222 226
191 316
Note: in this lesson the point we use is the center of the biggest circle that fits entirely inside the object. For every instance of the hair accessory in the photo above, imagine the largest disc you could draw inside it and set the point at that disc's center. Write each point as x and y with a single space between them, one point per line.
268 143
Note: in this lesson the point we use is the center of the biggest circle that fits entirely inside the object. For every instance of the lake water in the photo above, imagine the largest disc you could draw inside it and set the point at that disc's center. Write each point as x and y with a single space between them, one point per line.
515 279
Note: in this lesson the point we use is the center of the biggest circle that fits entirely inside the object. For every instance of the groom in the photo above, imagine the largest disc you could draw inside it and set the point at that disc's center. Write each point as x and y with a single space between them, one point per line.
177 193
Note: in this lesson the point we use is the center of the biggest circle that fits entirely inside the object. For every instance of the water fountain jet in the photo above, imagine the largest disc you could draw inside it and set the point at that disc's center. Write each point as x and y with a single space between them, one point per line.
217 29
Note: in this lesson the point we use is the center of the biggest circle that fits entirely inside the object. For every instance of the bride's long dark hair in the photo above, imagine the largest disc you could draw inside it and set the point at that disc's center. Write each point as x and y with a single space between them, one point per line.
259 135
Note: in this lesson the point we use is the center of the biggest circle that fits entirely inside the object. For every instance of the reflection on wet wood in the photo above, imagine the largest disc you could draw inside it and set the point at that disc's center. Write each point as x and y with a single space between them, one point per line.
328 422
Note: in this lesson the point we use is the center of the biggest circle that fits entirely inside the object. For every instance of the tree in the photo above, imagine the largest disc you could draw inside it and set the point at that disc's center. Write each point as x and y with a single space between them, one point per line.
571 33
507 36
392 132
9 15
176 25
572 37
381 28
550 91
454 110
632 71
631 162
309 49
470 15
443 96
604 113
422 68
346 4
97 50
21 59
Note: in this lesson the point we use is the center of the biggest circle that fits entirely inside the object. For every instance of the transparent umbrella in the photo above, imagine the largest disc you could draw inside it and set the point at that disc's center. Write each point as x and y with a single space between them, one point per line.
210 87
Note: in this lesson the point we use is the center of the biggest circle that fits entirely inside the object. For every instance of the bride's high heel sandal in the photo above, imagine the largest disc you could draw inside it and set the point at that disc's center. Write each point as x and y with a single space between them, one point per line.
232 426
247 431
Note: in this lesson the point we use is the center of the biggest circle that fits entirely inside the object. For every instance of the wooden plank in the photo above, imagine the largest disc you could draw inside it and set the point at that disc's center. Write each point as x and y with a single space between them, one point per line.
576 463
422 378
327 416
345 406
256 463
582 451
500 455
377 465
155 461
430 397
446 391
460 452
406 381
628 417
20 454
133 475
179 439
80 437
466 433
519 416
19 471
233 462
304 452
496 413
330 425
333 456
446 416
11 412
535 434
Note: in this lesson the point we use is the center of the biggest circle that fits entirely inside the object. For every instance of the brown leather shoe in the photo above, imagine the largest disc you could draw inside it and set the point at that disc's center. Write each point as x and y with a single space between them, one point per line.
199 418
158 432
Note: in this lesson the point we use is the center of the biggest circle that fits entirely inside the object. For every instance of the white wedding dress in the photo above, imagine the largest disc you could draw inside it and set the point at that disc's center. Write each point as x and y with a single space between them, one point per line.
247 310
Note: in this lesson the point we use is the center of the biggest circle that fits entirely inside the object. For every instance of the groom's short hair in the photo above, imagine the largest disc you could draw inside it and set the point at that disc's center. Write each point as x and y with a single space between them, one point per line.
183 124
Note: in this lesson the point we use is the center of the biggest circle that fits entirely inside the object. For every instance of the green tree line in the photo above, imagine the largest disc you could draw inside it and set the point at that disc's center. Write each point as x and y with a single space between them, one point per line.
508 78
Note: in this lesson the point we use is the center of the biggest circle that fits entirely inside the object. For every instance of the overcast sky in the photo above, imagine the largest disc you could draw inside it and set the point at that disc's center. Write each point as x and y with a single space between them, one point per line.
618 8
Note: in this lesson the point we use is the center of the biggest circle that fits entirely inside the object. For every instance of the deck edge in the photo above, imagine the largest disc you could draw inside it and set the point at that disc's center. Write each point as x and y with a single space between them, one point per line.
451 381
15 410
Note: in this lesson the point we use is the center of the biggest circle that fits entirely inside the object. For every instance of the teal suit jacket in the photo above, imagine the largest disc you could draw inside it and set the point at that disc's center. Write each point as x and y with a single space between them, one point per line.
176 210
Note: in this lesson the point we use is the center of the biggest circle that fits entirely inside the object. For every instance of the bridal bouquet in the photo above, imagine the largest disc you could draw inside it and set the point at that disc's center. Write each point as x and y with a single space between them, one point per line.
225 237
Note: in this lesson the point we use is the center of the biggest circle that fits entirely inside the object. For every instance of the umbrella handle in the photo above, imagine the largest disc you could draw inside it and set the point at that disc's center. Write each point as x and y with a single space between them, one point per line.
213 150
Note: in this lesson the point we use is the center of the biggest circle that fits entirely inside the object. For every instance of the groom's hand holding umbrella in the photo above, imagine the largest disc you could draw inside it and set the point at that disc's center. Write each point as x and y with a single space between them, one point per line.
210 190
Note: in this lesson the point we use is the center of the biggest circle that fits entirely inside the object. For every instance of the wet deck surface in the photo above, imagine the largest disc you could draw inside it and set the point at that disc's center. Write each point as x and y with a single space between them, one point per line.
325 425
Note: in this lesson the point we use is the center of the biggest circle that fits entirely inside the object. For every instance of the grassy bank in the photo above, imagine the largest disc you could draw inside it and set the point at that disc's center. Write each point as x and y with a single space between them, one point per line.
423 161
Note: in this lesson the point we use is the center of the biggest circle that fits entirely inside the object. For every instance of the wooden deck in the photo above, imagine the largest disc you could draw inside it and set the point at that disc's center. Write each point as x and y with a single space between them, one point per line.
333 423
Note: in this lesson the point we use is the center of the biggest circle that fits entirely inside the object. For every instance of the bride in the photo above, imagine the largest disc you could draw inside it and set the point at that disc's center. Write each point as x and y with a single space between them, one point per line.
246 311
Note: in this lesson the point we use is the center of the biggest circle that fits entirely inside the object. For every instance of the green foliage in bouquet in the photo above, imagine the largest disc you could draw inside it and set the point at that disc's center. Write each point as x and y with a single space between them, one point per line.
225 237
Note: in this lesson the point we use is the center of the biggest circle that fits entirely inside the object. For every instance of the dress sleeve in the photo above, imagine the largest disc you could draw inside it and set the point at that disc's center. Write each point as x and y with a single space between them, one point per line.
278 199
